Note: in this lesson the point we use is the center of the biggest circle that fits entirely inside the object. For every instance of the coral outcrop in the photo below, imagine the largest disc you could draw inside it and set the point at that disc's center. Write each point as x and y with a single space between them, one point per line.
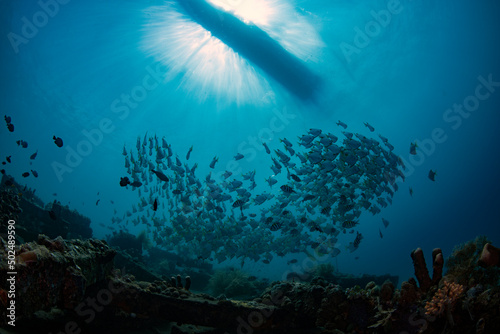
490 256
421 271
444 300
474 262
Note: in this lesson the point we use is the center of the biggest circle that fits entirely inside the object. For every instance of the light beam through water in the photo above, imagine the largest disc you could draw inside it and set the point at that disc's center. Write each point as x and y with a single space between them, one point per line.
186 39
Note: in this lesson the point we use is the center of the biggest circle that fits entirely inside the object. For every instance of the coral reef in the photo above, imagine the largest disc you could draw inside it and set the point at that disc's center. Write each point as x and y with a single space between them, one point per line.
444 300
463 265
9 207
490 256
421 271
326 273
72 281
54 272
408 295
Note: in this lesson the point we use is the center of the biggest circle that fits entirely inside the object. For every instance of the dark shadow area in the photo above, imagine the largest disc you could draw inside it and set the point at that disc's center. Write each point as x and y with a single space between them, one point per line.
252 43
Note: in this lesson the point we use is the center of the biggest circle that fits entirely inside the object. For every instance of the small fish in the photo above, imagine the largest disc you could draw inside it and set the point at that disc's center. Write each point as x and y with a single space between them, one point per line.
34 172
349 224
96 203
287 189
155 205
290 150
238 203
411 191
268 151
325 210
26 174
286 142
358 239
342 124
160 175
295 178
33 156
238 156
266 261
316 228
8 120
2 171
314 132
123 182
8 159
380 233
189 153
292 261
276 226
58 141
136 184
432 175
22 143
214 161
385 222
413 148
371 128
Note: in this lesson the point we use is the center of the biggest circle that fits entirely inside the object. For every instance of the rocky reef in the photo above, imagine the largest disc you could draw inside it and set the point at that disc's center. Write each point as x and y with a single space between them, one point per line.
71 286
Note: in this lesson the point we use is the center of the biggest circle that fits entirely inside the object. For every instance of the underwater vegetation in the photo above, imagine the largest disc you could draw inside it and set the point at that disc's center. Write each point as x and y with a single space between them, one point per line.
462 265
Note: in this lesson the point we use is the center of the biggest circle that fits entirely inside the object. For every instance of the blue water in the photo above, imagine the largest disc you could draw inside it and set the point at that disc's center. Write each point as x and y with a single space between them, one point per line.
69 74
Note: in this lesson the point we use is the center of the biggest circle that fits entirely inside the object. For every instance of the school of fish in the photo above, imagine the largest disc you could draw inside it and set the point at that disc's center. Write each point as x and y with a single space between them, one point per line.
316 189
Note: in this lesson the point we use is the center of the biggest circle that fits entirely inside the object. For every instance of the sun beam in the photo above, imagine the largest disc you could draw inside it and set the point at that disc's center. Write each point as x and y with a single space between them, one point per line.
257 12
208 68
